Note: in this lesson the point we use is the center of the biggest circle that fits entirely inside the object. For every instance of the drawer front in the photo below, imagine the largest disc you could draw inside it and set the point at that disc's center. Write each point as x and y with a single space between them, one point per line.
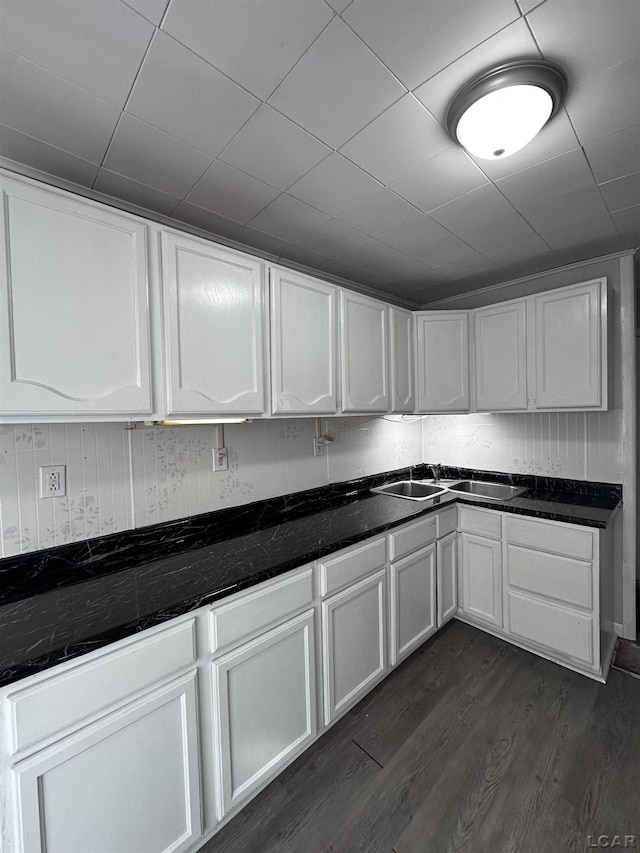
341 571
484 522
447 521
60 701
248 614
571 541
412 538
564 631
562 578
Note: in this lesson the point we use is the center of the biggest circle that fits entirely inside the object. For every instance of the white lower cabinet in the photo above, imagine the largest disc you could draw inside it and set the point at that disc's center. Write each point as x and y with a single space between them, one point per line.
413 601
447 577
481 575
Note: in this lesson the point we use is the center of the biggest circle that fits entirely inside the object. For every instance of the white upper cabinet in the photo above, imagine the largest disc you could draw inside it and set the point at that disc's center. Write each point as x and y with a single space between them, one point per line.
365 360
214 328
570 347
74 336
501 357
401 361
443 361
304 338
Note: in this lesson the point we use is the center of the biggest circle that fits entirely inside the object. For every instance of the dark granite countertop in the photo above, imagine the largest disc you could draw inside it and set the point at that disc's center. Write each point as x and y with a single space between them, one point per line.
66 601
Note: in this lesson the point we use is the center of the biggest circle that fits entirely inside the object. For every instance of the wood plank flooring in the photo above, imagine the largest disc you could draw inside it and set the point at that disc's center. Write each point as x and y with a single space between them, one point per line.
470 745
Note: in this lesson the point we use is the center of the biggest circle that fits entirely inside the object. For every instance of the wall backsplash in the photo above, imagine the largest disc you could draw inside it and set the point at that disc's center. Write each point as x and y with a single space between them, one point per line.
118 479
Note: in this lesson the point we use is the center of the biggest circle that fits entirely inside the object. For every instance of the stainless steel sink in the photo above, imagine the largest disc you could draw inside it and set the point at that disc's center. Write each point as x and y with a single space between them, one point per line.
411 490
488 491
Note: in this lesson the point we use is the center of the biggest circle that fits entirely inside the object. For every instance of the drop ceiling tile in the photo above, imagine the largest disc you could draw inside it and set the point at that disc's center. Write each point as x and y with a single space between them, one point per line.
604 104
231 193
333 185
254 43
339 5
397 141
415 40
513 42
414 236
378 212
449 175
20 148
260 241
377 257
117 186
586 232
472 264
337 87
627 222
528 5
333 238
152 10
50 109
616 155
623 192
589 36
96 46
593 247
505 240
288 219
205 219
147 155
273 149
448 250
564 174
183 95
570 208
481 205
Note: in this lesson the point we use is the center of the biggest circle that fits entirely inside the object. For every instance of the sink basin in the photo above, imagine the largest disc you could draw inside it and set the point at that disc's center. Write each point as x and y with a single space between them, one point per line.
411 490
488 491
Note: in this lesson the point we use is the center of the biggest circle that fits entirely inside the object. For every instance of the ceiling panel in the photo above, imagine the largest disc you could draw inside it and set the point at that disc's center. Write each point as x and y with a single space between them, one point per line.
573 208
228 191
627 222
623 192
334 238
481 205
205 219
273 36
337 87
616 155
152 10
505 240
117 186
260 241
24 149
333 185
449 175
378 212
273 149
564 174
288 219
415 236
96 46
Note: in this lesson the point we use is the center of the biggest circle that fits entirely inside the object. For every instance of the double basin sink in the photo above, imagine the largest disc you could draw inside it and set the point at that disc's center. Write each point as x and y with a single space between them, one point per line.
415 490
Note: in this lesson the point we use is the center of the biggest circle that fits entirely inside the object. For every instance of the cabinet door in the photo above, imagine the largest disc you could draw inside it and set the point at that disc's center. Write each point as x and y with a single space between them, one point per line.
128 782
481 560
304 338
447 587
570 347
412 601
443 361
501 357
401 361
214 315
266 706
365 384
353 639
74 337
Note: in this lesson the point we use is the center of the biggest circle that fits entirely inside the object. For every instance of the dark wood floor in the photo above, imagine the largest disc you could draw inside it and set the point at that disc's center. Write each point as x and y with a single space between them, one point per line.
470 745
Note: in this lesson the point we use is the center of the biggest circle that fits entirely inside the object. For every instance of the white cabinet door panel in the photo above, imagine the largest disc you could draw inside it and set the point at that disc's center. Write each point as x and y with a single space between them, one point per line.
129 782
443 361
304 336
401 360
564 631
569 345
412 601
501 357
447 573
73 306
214 317
365 359
481 578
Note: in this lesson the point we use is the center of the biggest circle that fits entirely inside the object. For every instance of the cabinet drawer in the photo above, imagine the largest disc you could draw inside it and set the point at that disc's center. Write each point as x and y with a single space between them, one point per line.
248 614
343 570
484 522
571 541
447 521
65 699
565 631
411 538
562 578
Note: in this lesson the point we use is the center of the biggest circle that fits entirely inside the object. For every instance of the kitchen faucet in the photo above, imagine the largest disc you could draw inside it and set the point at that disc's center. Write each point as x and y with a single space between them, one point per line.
436 470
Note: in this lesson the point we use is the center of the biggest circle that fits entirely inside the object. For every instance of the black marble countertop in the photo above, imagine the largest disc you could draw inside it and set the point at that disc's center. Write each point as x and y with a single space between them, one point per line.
66 601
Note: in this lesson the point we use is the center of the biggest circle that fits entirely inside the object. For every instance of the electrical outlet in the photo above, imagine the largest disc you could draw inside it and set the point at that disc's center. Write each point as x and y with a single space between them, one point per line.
53 481
220 459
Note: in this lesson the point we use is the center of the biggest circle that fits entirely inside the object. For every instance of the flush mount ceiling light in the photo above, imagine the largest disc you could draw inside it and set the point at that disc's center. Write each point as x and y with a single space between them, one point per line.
499 112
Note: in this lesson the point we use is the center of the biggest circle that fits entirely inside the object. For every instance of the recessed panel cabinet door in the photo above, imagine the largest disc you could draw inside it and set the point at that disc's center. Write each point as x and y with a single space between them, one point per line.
501 358
570 342
128 782
443 361
365 359
413 601
481 578
401 360
304 337
214 316
74 336
447 585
